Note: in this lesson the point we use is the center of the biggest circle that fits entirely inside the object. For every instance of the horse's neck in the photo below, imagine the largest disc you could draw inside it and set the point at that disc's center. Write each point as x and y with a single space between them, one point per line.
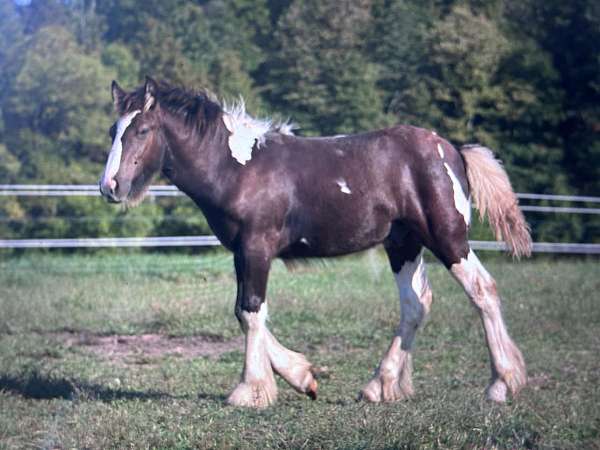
199 165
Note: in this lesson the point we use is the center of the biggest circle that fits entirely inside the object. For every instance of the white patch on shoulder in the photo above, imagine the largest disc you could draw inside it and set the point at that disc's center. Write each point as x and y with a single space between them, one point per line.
344 186
246 131
440 150
461 202
114 157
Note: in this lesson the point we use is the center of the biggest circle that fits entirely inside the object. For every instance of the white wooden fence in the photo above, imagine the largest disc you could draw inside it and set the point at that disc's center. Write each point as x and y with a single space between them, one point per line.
57 190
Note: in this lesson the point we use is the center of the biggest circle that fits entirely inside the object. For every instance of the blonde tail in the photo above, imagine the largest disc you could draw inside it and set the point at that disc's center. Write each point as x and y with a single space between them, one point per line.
493 194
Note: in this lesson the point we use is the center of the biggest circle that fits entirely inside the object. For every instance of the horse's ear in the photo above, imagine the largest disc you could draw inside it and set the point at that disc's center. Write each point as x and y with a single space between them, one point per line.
150 94
117 95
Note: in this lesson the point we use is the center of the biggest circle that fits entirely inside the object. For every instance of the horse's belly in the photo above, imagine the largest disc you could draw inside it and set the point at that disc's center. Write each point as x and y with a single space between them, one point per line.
344 236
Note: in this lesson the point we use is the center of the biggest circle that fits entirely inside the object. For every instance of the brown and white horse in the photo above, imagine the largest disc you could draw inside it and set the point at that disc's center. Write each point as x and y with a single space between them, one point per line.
267 193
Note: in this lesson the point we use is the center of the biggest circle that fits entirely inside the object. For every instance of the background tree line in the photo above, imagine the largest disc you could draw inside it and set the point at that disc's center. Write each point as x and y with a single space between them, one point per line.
521 77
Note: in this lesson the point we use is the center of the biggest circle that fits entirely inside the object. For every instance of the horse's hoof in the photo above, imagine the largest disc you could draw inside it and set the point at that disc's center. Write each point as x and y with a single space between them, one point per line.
253 395
311 391
381 389
496 391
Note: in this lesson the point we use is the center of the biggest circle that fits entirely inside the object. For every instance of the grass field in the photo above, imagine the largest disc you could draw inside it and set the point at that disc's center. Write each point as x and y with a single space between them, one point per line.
136 351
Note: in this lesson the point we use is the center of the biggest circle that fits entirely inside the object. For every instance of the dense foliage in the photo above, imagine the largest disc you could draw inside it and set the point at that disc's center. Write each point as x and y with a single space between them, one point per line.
520 77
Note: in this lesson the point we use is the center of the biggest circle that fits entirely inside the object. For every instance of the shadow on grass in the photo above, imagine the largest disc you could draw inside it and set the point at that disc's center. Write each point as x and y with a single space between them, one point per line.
34 385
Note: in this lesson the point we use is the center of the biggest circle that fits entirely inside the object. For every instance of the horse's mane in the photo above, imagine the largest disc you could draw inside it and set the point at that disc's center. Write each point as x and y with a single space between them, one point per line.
198 108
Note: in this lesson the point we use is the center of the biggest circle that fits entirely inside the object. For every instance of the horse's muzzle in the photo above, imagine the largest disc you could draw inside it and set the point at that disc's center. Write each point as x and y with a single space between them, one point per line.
108 189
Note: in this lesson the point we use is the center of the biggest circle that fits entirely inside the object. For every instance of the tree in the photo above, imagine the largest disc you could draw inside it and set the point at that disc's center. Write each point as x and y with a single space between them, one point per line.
59 103
318 74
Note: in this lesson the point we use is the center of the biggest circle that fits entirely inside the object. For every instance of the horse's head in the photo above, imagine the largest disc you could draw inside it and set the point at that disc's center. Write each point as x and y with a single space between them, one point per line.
138 145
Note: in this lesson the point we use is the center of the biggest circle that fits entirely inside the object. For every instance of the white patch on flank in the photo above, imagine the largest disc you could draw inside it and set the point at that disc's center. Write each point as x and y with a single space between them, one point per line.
440 150
461 202
344 186
114 157
304 241
247 131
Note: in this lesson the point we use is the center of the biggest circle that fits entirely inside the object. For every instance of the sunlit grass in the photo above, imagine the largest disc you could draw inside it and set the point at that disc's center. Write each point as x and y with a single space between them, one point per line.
341 314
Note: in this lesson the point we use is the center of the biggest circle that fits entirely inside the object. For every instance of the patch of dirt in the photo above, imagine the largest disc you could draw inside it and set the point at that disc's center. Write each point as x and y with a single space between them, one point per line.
144 348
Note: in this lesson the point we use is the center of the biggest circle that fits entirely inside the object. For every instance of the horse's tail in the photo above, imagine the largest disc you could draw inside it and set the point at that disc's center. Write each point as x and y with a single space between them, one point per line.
493 194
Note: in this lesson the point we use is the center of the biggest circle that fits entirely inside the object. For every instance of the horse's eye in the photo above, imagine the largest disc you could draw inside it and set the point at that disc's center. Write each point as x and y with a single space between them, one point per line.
143 131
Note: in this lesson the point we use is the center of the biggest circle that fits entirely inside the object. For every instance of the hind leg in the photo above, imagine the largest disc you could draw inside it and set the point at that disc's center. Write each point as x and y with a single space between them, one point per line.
507 364
393 378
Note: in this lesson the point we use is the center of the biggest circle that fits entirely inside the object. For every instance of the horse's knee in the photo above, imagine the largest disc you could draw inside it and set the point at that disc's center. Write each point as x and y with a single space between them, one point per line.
483 293
252 304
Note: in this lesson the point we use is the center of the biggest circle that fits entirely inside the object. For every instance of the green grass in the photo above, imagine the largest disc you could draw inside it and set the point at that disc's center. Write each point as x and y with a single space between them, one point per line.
57 395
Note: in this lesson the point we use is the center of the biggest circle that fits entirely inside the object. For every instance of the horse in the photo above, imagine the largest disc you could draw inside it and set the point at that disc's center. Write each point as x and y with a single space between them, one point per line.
267 193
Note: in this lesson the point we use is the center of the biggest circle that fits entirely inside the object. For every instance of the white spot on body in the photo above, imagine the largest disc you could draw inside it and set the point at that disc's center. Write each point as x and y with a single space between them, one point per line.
434 133
344 186
114 157
461 202
304 241
440 150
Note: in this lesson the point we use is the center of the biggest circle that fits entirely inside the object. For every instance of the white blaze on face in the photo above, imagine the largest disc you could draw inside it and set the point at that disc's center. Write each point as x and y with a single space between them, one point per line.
114 157
461 202
344 186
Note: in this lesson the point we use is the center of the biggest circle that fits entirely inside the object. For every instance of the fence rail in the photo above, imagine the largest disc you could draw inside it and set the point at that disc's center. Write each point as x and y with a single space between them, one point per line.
169 191
61 190
212 241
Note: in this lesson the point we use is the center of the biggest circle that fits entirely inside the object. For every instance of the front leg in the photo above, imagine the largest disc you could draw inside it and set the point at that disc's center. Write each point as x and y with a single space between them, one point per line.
257 388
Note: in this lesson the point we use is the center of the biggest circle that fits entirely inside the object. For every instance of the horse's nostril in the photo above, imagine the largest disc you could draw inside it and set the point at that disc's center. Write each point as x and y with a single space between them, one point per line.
113 186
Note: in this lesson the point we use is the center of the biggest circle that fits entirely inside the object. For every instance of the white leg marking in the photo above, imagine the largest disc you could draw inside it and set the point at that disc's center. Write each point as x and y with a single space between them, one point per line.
343 186
508 367
393 377
114 157
257 388
461 202
293 367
